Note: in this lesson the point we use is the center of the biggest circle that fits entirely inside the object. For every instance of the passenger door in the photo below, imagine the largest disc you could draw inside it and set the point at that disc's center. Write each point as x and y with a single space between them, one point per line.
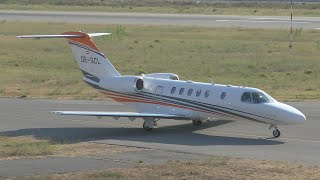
159 91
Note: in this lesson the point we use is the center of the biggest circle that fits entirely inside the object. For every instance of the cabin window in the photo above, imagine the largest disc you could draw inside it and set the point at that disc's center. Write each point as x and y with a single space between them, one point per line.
207 94
246 97
190 92
198 92
181 91
223 95
173 90
258 97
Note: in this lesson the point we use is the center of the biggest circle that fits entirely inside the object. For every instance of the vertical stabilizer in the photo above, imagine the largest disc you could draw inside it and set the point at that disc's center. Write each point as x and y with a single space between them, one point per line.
91 60
93 63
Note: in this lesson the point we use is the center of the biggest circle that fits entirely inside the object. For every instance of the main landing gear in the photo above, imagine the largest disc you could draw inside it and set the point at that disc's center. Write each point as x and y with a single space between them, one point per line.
146 128
149 123
196 122
276 133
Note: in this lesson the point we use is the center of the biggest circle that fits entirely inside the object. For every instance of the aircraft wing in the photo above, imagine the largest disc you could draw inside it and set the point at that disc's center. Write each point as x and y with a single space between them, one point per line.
120 114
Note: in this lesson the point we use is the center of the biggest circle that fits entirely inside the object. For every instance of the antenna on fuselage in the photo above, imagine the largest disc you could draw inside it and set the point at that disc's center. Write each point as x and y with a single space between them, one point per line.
291 36
211 80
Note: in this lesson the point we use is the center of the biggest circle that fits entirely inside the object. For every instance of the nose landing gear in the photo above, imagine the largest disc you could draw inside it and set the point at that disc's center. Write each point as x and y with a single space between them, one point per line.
276 132
196 122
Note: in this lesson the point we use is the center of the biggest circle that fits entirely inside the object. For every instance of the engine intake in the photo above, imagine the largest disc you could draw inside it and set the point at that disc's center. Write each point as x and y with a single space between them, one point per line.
139 84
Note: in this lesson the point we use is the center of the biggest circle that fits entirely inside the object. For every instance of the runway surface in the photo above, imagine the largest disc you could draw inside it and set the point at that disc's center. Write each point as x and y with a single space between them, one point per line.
162 19
54 165
298 143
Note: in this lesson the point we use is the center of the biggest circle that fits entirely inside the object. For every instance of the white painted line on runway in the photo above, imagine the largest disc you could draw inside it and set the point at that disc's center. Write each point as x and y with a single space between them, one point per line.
309 20
287 19
270 19
255 21
317 28
265 137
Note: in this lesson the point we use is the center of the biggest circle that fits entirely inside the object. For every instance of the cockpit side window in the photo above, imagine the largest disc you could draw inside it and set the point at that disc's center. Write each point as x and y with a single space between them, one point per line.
258 97
246 97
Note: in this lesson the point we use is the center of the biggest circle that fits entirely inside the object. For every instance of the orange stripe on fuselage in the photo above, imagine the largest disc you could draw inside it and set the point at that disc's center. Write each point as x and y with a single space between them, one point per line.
121 98
86 40
124 98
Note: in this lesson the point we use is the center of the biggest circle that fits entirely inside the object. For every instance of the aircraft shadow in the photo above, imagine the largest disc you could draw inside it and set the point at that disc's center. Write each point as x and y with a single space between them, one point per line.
183 134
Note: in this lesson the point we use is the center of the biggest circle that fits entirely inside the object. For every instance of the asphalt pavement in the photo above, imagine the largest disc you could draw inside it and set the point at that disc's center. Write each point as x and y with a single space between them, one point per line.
162 19
246 139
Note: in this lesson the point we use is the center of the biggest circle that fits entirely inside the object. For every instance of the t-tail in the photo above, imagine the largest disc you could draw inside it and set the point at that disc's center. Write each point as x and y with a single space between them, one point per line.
93 63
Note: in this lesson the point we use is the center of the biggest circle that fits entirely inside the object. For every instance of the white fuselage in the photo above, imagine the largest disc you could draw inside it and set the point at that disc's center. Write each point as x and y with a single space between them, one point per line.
199 101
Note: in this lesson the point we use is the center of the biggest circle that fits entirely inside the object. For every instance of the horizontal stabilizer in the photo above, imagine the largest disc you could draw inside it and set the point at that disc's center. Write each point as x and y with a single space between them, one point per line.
52 36
98 34
120 114
63 35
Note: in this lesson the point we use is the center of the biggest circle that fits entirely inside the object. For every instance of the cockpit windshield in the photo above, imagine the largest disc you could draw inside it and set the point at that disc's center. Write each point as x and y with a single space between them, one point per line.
258 97
255 98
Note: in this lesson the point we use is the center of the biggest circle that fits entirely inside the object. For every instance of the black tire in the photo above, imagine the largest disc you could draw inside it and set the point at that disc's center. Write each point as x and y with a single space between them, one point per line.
146 128
196 123
276 133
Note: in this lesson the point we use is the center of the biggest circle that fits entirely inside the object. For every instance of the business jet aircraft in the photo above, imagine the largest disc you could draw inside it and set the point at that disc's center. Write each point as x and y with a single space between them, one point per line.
163 96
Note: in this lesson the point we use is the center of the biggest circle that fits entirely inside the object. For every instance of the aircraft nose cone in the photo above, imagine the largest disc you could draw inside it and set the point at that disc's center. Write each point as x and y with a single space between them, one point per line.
299 117
291 115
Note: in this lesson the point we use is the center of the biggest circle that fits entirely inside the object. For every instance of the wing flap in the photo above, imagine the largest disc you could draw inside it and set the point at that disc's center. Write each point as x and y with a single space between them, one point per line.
120 114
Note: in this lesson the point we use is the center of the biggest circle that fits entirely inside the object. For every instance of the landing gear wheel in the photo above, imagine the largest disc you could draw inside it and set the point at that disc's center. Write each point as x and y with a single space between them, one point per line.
146 128
196 122
276 133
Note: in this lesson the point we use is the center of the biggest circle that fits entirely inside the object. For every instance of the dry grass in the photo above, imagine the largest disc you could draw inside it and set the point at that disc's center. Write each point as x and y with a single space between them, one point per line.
16 147
250 57
213 168
30 147
90 149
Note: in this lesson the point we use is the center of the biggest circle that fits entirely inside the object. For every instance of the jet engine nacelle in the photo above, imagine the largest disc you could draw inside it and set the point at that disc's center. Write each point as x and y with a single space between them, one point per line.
124 84
163 76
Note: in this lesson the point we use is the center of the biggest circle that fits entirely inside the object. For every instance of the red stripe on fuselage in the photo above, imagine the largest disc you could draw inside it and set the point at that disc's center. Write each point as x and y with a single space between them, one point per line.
126 98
